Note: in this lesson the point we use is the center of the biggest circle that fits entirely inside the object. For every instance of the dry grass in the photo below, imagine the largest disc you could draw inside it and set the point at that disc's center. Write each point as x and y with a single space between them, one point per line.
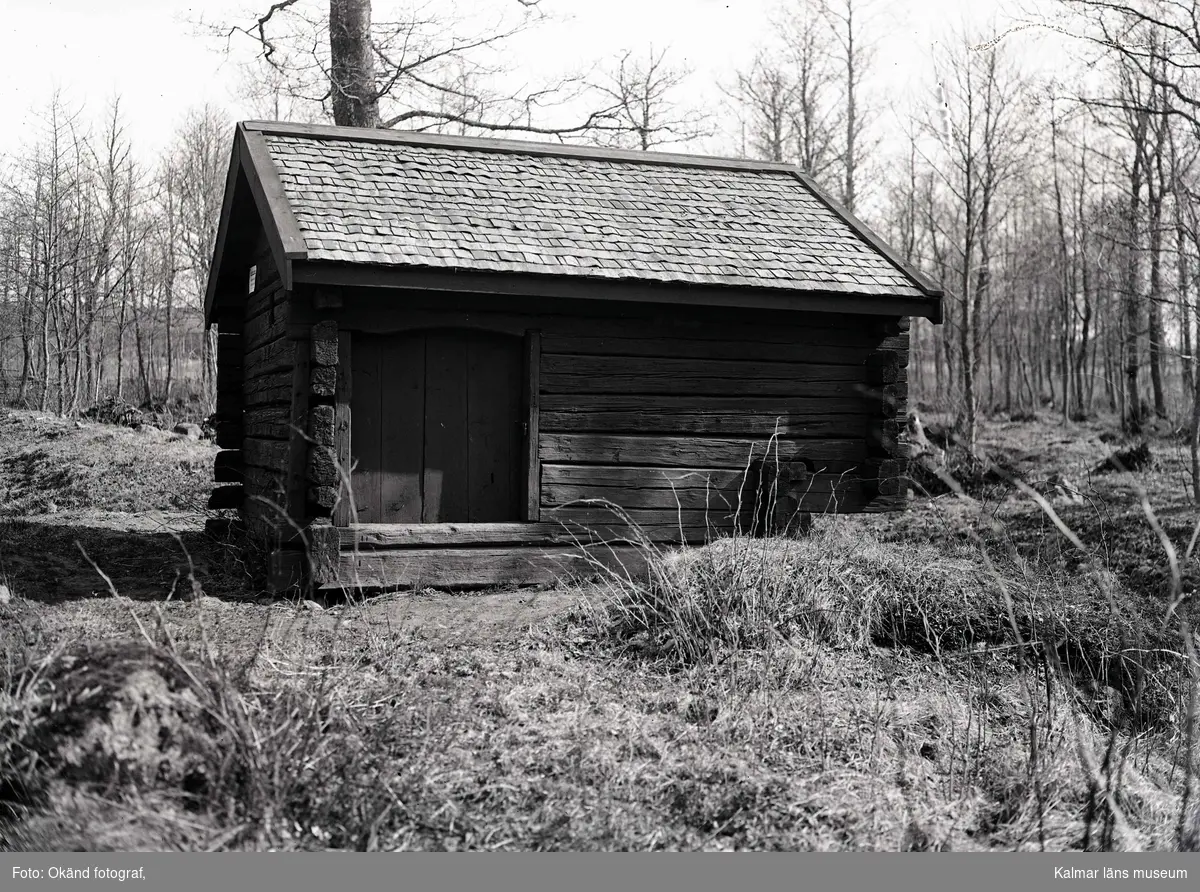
50 464
344 733
939 688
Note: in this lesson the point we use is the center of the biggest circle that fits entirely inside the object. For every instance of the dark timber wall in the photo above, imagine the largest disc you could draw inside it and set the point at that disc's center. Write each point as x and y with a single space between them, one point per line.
257 400
662 411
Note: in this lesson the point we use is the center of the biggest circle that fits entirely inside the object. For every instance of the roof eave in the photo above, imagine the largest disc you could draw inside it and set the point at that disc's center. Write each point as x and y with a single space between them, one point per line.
283 232
518 284
250 156
927 285
214 269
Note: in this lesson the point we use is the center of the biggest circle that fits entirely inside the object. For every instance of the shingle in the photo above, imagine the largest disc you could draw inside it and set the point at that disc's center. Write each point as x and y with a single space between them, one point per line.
465 208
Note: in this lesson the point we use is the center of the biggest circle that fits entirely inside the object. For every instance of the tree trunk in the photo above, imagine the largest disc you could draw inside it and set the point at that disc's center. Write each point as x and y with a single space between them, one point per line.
1155 184
849 197
1194 445
1132 421
352 72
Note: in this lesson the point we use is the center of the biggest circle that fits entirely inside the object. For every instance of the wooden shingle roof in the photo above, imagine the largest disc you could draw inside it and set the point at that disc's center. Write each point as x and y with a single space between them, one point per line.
392 199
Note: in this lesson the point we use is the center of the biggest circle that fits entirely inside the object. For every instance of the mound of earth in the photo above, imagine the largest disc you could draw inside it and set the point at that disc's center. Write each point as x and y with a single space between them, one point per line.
117 713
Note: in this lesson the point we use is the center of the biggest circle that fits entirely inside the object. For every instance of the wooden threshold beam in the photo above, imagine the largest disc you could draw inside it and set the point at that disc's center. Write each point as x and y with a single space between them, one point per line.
466 535
475 567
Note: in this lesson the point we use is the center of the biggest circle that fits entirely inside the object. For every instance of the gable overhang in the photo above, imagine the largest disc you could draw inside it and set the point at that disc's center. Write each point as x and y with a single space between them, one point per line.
326 274
250 159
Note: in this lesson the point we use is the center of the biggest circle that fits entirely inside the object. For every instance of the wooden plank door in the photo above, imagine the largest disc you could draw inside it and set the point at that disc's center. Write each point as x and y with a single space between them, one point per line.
494 423
387 417
436 427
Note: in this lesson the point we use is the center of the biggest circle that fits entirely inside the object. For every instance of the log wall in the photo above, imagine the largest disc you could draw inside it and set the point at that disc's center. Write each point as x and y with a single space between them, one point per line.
255 403
680 418
697 423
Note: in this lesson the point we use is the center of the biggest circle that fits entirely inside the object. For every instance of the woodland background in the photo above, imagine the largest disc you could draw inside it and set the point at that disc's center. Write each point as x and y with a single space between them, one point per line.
1047 176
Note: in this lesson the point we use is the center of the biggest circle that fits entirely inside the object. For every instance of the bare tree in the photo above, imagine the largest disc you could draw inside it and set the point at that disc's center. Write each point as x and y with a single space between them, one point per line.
787 98
645 109
765 98
1159 39
983 125
847 21
404 68
199 158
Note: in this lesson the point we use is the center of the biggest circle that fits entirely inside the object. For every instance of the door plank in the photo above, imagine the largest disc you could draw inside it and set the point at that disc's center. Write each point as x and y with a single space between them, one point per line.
446 466
402 427
366 404
493 427
342 513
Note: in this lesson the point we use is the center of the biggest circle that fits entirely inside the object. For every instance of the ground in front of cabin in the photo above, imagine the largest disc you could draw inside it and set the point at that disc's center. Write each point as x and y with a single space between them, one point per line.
959 678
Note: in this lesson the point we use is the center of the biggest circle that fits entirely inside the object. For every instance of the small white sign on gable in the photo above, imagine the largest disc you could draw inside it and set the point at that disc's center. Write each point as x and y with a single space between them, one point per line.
253 277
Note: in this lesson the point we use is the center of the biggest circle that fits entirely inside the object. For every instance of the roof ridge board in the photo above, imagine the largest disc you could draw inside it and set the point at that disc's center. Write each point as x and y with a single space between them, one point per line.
513 146
922 281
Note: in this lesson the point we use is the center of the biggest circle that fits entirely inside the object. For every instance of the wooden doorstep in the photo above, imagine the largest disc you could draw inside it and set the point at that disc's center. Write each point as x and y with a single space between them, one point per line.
466 535
464 567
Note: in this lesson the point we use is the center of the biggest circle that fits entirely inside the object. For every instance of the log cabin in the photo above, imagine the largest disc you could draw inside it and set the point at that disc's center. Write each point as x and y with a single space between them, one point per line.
455 361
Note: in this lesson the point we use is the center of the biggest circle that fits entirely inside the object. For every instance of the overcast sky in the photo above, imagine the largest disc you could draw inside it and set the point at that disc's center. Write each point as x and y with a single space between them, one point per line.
148 52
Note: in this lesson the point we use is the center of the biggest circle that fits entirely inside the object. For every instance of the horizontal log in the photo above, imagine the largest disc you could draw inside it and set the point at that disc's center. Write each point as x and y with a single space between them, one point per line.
887 401
470 567
265 514
820 493
599 374
267 294
898 344
229 350
619 384
883 367
886 505
883 478
230 435
268 422
815 408
888 326
229 379
269 324
581 417
807 348
227 467
600 514
270 455
697 452
271 390
883 435
683 498
425 535
224 497
229 321
266 482
647 477
273 356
